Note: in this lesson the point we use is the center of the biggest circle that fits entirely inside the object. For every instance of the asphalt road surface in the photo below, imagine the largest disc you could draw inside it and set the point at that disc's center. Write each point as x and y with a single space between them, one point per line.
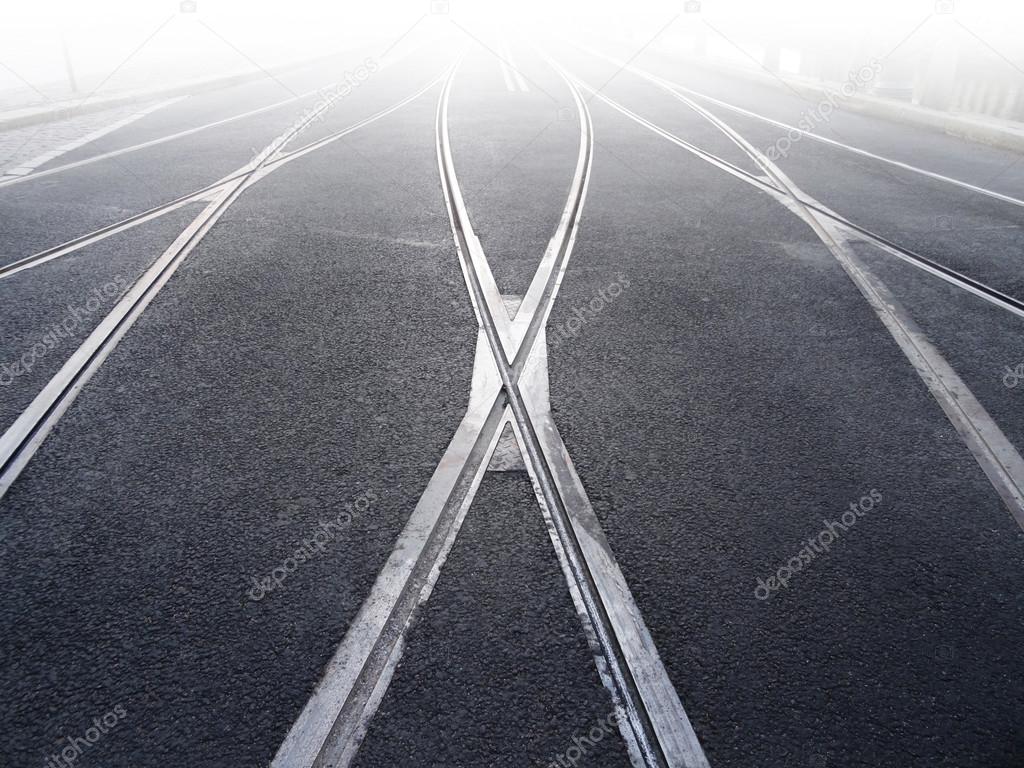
290 478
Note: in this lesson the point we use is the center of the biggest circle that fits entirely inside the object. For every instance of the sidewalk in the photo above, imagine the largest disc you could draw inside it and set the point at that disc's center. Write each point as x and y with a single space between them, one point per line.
67 108
62 109
24 149
982 129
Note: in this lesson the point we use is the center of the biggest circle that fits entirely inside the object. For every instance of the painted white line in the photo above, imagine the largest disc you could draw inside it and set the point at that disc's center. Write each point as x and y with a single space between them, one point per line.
505 73
996 455
520 83
787 127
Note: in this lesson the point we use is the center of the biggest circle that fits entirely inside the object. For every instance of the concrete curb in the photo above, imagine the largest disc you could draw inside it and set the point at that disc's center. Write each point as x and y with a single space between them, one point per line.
976 128
48 113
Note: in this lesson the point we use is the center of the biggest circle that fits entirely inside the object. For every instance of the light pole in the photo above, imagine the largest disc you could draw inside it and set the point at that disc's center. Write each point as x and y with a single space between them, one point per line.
67 62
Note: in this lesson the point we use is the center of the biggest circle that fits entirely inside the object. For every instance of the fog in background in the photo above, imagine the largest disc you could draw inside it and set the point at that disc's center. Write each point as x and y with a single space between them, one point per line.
965 55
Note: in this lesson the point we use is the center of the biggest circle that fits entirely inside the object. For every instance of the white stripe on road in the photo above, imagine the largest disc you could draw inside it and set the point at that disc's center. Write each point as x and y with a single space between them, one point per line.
505 73
520 83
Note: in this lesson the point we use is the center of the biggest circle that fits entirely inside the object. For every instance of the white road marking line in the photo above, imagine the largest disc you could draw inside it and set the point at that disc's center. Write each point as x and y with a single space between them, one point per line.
29 166
22 439
996 455
520 83
856 150
505 73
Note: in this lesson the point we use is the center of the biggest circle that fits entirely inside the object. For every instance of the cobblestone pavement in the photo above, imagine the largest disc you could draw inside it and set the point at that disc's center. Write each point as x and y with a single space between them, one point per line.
22 149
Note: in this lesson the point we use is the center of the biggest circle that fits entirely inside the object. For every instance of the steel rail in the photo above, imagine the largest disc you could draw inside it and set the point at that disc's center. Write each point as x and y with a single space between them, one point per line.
331 726
285 157
976 287
666 83
22 439
994 453
657 724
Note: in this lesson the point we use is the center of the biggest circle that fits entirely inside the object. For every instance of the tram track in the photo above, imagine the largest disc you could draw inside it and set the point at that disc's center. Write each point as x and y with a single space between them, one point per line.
680 546
22 438
65 167
677 89
995 454
770 184
280 159
509 388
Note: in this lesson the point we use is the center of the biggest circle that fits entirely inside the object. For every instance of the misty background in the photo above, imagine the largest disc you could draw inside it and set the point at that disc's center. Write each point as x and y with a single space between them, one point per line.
955 55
